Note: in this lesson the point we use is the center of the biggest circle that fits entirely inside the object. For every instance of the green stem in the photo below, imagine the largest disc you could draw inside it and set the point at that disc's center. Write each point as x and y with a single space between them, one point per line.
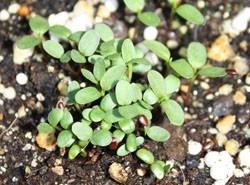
77 106
187 99
130 72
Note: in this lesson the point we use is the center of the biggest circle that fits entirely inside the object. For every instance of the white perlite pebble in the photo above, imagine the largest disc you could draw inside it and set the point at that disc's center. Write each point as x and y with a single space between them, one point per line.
219 171
238 173
9 93
21 78
243 158
150 33
240 21
153 59
21 55
194 147
13 8
247 81
4 15
211 157
112 5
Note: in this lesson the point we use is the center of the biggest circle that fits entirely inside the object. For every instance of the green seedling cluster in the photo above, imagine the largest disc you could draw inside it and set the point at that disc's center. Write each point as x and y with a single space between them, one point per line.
116 111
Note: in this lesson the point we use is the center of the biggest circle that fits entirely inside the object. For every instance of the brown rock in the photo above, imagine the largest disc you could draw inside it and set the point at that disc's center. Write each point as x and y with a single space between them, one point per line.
58 170
225 124
232 146
239 98
46 141
117 172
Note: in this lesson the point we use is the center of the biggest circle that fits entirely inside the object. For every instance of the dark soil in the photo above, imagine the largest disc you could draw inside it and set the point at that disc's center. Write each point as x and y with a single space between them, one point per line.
19 161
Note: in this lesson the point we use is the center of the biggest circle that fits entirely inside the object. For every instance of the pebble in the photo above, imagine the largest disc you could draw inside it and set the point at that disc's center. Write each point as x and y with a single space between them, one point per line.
243 114
21 112
243 158
211 157
194 147
21 78
221 49
150 33
201 4
183 29
239 98
221 139
62 88
103 12
13 8
28 146
28 135
153 59
40 97
219 171
2 88
34 163
243 45
238 173
9 93
225 124
58 170
46 141
205 85
209 97
247 80
232 146
240 21
24 11
21 56
172 44
117 172
58 19
141 172
83 7
225 89
240 65
4 15
112 5
222 106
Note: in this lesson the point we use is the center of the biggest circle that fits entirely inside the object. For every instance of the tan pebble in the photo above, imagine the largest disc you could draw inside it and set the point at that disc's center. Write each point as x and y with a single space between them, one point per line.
184 88
39 107
103 12
24 11
21 112
83 7
46 141
117 172
225 124
63 88
141 172
58 170
34 163
1 116
232 146
225 89
240 65
243 45
239 98
221 49
247 80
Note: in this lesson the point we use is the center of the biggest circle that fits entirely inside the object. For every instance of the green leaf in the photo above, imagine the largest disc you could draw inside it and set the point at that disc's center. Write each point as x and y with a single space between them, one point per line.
82 131
213 72
97 114
92 59
123 92
89 43
64 138
77 56
137 94
104 31
157 83
55 116
108 102
150 97
45 128
145 155
53 48
76 36
60 31
106 125
183 68
73 88
113 116
28 42
157 133
101 138
149 19
131 143
196 54
108 48
158 48
127 125
87 95
139 140
86 113
111 77
66 120
83 143
157 170
88 75
74 151
66 57
122 151
173 83
174 112
39 24
128 50
99 69
135 6
119 135
191 14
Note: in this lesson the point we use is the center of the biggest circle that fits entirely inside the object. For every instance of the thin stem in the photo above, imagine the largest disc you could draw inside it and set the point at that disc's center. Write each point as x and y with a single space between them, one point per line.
11 125
130 72
187 98
77 106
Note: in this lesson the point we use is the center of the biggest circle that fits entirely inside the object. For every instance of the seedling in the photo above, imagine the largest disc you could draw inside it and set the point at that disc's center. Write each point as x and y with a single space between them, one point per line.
115 110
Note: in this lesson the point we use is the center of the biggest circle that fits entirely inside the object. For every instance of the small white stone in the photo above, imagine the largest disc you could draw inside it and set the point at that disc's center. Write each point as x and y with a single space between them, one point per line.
205 85
244 158
240 65
219 171
150 33
28 146
2 88
40 97
4 15
221 182
247 80
172 44
34 163
153 59
211 158
13 8
210 97
21 55
59 19
226 157
225 89
112 5
21 78
201 4
238 173
194 147
9 93
240 21
28 135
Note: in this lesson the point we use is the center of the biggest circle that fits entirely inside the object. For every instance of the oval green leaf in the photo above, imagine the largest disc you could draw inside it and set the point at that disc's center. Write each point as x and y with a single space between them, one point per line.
39 24
183 68
128 50
104 31
77 56
45 128
124 92
28 41
157 133
145 155
87 95
158 48
135 6
73 88
88 75
131 145
53 48
196 54
89 43
66 57
101 138
55 116
99 69
157 83
213 72
173 83
76 36
60 31
150 97
97 114
64 138
122 151
149 19
127 125
108 102
66 120
74 151
157 170
82 131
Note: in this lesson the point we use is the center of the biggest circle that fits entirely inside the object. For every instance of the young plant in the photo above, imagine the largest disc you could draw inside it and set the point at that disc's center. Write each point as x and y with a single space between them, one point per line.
115 111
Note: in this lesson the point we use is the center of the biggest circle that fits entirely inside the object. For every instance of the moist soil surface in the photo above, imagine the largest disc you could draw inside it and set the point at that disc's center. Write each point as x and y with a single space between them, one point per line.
23 162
